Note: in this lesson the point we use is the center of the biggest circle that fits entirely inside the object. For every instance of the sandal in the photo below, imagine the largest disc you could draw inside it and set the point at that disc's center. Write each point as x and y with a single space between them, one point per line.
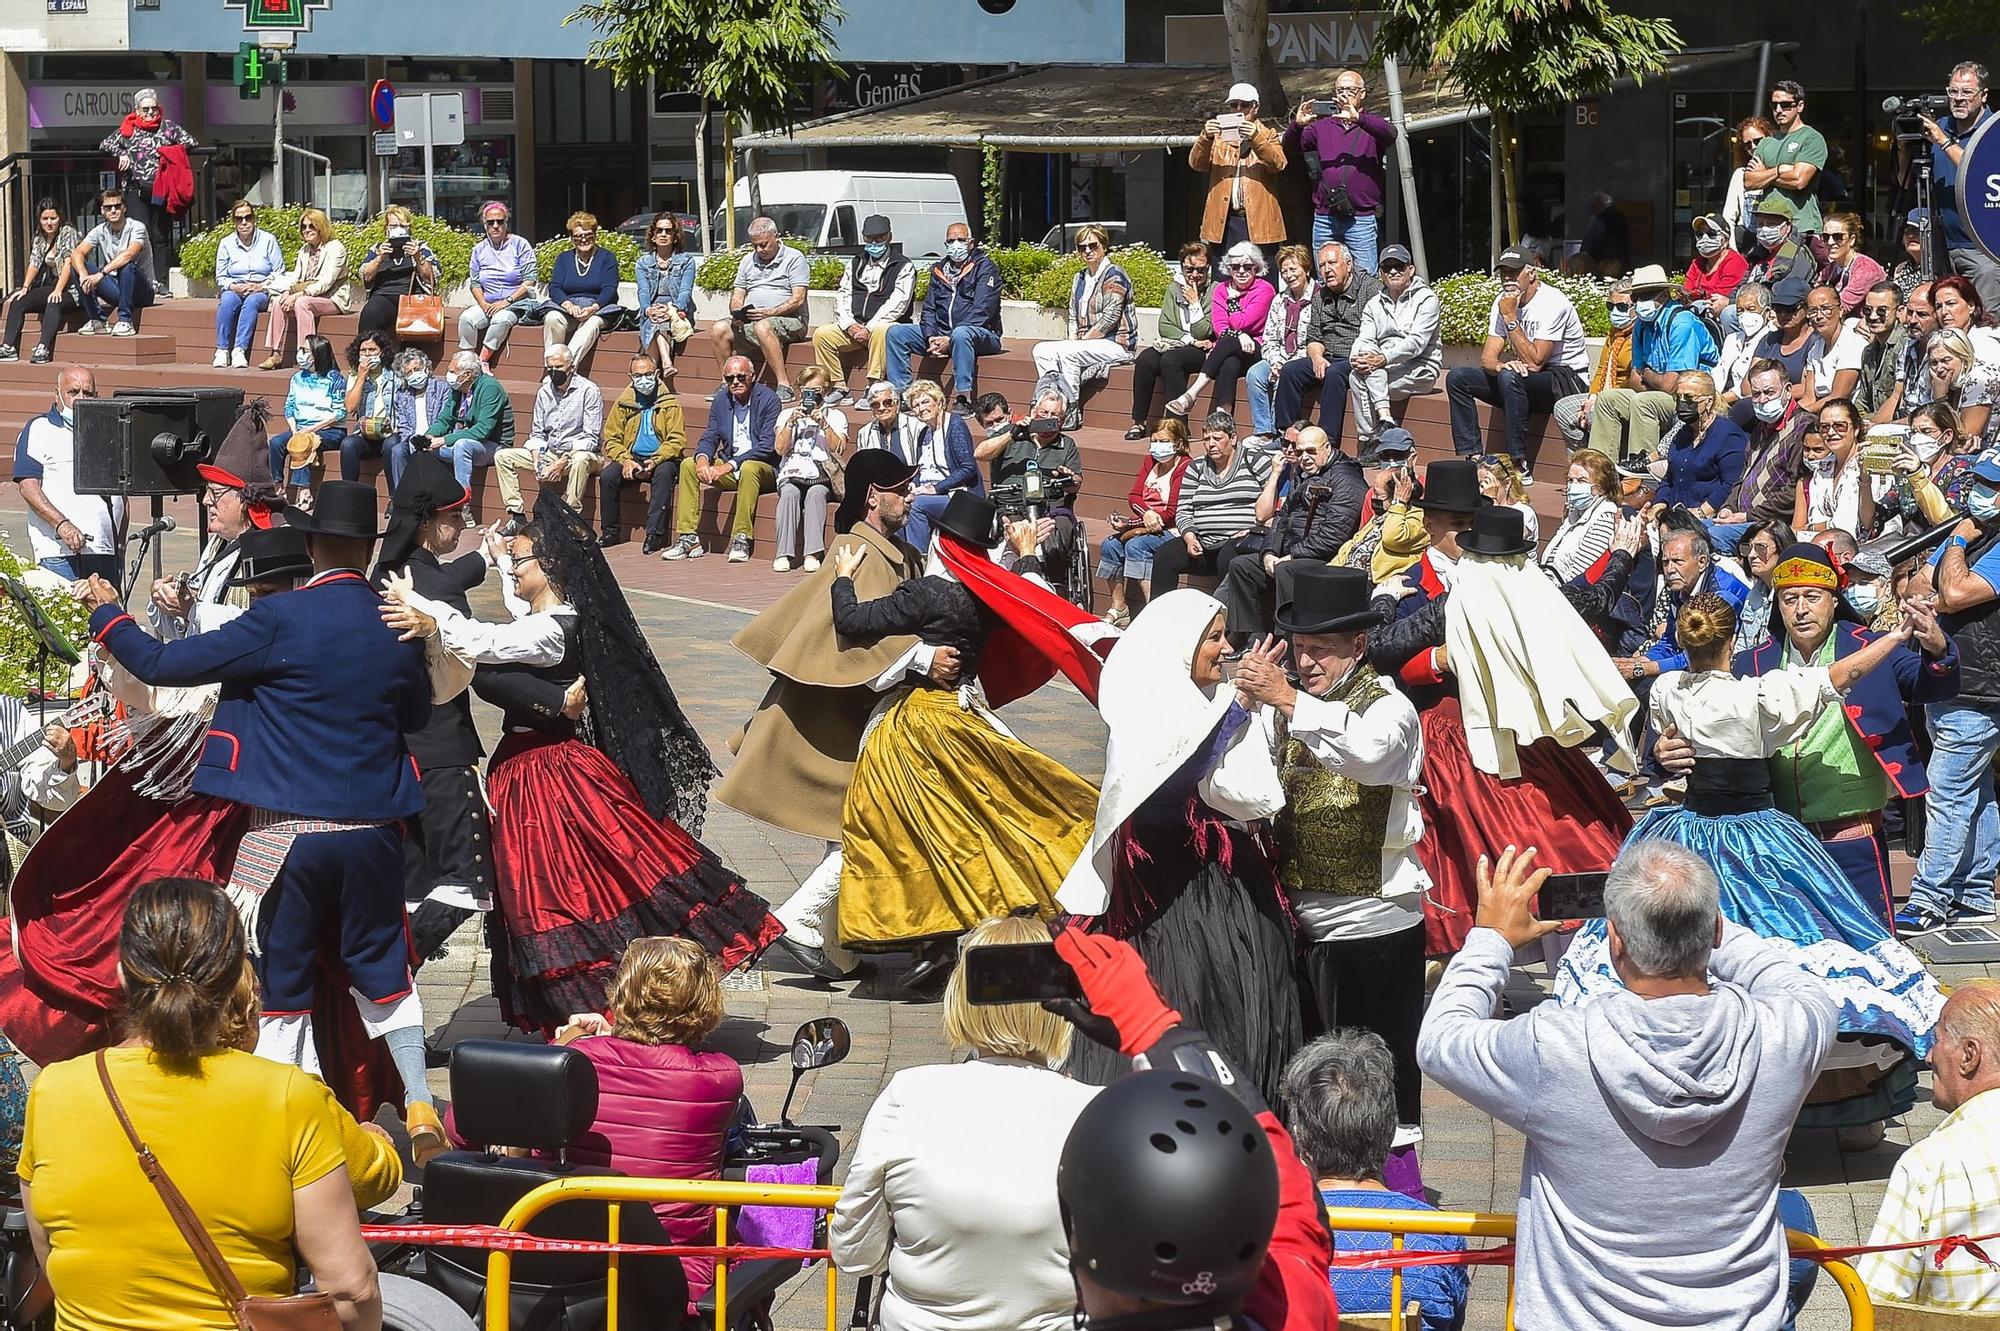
1181 405
1138 430
1117 617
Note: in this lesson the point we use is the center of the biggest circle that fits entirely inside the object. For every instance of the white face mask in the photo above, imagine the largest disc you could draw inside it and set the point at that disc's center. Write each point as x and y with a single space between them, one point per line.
1769 236
644 384
414 381
398 233
1708 246
1161 450
69 415
1577 496
1925 445
1647 310
1753 325
1823 464
1769 412
304 358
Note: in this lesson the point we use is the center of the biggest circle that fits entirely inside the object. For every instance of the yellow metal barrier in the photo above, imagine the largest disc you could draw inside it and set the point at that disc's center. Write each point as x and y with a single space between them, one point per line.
1490 1225
727 1196
722 1195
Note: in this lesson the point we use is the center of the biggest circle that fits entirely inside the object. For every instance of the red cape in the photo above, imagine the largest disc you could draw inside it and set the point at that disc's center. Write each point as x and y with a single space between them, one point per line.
1039 632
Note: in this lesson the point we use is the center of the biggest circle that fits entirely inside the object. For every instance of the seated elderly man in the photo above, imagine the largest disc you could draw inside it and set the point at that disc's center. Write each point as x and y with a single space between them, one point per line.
1340 1107
1681 1087
737 452
478 419
1948 1183
1313 507
645 435
767 308
564 442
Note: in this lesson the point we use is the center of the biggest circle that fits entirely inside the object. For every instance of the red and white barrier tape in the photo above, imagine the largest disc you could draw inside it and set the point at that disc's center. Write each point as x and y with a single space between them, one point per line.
494 1237
1388 1259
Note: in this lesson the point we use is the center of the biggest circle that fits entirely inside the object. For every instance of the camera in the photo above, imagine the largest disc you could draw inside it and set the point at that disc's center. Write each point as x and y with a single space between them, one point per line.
810 399
1906 111
1015 502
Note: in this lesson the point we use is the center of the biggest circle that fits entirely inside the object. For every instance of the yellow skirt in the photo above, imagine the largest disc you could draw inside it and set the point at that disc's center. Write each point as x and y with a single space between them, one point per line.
948 821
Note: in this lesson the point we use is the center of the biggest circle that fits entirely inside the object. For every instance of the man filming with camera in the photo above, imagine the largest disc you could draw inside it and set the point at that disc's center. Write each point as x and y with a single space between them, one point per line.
1038 444
1966 97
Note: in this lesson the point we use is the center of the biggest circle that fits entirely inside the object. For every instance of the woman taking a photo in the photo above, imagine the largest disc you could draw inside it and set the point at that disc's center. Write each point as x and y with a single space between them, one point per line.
666 293
400 265
316 287
812 438
278 1196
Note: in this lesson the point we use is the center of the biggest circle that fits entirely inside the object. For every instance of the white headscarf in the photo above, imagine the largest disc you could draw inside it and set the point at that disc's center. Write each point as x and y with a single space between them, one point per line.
1158 717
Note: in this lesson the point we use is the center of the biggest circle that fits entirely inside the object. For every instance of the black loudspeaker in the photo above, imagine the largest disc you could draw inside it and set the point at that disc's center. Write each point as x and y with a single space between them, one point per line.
150 443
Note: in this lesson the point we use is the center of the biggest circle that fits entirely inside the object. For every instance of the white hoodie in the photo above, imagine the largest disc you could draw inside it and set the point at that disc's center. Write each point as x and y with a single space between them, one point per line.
1656 1134
1405 331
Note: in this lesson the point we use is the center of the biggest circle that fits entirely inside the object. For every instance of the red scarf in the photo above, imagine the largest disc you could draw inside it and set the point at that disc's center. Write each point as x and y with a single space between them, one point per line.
131 126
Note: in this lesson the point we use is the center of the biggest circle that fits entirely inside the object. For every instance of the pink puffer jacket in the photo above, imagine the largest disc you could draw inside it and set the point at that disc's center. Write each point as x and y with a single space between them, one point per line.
663 1111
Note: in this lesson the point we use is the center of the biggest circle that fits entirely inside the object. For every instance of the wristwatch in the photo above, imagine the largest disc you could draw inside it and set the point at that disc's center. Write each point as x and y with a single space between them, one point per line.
1510 325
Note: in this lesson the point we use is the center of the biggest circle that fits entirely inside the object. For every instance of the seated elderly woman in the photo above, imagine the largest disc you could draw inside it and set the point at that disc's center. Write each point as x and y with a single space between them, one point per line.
953 1185
1340 1107
663 1106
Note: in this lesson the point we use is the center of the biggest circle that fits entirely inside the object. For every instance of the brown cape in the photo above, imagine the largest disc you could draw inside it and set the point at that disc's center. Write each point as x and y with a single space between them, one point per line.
796 756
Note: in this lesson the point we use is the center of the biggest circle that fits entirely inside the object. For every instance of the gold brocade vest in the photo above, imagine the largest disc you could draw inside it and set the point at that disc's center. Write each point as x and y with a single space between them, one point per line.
1331 830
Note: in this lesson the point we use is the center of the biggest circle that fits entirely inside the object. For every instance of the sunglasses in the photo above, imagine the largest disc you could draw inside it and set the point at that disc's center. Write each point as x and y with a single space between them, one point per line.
666 229
735 378
583 235
1834 235
1239 106
1391 269
882 404
1784 311
496 221
1777 105
1621 305
1088 247
1242 267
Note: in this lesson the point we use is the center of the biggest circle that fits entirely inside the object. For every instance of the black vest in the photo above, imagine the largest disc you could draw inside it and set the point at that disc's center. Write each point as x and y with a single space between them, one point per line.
449 738
862 303
1977 632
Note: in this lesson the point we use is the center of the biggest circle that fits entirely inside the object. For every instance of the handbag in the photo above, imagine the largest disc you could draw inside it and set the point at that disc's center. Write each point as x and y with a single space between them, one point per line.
291 1312
419 315
834 471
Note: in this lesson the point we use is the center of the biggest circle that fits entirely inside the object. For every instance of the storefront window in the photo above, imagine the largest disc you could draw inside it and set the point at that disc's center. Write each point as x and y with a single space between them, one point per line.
450 71
467 175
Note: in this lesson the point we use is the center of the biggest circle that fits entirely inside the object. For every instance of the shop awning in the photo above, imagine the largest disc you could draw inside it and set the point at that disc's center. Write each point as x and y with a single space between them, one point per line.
1111 108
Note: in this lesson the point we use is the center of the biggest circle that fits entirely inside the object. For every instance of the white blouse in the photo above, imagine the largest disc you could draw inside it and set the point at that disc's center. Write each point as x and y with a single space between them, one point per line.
1725 716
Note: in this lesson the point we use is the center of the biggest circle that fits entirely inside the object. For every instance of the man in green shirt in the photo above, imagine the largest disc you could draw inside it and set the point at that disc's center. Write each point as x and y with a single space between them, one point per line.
1789 162
478 420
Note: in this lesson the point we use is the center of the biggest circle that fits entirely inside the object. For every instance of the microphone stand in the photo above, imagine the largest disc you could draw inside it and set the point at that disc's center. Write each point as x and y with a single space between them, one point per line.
146 540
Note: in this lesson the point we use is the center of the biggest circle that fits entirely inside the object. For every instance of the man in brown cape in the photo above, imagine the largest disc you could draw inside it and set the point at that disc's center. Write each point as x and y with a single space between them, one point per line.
796 756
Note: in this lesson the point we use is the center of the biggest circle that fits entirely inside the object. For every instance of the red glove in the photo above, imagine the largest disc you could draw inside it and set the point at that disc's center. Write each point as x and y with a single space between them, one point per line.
1119 998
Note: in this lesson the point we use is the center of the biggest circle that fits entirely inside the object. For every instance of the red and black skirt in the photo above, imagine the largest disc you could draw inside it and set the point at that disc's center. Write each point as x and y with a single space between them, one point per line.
584 869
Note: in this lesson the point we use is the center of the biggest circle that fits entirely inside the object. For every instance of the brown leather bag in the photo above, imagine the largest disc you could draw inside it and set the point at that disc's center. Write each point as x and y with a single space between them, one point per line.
292 1312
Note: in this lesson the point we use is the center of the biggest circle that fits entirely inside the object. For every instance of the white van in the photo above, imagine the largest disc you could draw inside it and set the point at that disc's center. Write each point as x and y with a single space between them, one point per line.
827 208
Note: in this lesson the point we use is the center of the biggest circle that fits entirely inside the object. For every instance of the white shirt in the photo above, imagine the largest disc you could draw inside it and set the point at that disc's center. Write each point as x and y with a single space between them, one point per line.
1845 354
46 452
1549 317
1382 746
1724 716
43 780
953 1190
210 584
1948 1183
1835 501
809 437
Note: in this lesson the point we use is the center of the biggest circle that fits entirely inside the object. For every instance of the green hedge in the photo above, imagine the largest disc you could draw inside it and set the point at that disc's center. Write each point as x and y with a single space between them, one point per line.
452 246
1027 272
1466 304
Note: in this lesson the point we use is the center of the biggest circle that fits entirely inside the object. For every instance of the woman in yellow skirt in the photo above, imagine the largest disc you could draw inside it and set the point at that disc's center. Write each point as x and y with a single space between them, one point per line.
950 819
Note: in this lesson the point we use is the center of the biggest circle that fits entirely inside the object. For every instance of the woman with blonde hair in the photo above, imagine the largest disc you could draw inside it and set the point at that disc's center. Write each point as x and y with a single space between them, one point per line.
1961 381
954 1174
316 287
1501 481
1704 455
583 291
397 267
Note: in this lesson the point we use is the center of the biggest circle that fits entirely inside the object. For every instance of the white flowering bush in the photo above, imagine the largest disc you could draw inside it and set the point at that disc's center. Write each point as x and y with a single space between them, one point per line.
1466 303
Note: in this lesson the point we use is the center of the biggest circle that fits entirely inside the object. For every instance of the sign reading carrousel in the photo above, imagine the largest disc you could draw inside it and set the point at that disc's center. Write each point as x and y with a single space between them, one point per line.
277 15
1979 187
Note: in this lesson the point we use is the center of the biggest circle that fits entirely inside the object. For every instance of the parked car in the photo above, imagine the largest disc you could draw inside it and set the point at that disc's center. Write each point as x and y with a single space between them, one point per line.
1062 239
634 228
826 208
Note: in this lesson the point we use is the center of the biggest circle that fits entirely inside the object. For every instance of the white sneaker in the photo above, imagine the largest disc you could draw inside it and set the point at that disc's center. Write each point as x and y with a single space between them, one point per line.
781 565
239 359
221 361
687 547
91 329
812 564
739 549
122 329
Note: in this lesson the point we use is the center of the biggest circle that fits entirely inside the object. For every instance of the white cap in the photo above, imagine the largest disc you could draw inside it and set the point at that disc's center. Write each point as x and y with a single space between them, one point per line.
1243 92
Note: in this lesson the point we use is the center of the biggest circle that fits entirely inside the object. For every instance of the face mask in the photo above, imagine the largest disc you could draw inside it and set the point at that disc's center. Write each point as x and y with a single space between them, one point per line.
957 250
1751 324
69 415
399 233
1769 236
557 377
1769 412
1577 496
645 384
1822 465
1647 310
1686 412
1161 450
1983 505
995 431
1866 598
1926 446
1708 246
876 249
414 381
1621 318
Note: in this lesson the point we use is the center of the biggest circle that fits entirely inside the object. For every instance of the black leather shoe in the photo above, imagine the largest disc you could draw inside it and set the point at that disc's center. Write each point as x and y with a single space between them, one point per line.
812 960
609 539
512 526
933 968
654 544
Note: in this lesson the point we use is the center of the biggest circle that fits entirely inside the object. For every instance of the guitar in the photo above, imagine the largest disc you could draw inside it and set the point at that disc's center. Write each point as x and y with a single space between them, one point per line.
13 801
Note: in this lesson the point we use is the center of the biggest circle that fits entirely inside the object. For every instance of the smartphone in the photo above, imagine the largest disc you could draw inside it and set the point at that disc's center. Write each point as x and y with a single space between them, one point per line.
1229 120
1572 896
1017 973
1325 106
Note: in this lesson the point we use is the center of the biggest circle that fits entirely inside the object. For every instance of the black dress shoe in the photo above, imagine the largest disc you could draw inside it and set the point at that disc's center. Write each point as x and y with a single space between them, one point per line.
654 544
813 960
512 526
609 539
933 968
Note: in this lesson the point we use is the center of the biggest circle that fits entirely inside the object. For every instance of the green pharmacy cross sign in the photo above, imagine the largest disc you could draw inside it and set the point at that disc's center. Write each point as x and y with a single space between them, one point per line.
277 15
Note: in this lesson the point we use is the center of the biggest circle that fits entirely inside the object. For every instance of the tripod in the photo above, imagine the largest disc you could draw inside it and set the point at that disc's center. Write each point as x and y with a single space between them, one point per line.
1933 264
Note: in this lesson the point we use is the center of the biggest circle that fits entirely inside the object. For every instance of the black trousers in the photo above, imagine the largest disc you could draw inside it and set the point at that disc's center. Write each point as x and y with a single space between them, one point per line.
1378 985
659 508
1225 364
1172 559
1169 370
378 313
1245 587
37 298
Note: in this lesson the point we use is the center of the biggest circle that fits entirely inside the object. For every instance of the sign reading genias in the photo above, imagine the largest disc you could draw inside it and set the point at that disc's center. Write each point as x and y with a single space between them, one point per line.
277 15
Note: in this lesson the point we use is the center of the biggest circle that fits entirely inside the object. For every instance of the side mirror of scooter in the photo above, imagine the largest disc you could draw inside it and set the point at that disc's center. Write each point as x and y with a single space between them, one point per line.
819 1043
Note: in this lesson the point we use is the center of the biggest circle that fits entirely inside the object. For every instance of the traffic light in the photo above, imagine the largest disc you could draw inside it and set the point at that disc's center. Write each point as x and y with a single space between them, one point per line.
249 71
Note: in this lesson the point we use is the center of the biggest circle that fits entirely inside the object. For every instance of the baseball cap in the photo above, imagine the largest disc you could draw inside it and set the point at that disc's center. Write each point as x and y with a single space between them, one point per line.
1791 291
1987 469
1918 218
1516 256
1775 205
1394 254
1395 440
1243 92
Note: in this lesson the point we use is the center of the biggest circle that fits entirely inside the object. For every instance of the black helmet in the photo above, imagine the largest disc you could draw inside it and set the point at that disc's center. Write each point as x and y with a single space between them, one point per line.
1169 1190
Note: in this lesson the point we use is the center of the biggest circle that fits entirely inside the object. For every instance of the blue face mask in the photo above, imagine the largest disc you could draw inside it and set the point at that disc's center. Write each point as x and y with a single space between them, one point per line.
876 249
1866 598
1647 310
1982 504
1621 316
957 250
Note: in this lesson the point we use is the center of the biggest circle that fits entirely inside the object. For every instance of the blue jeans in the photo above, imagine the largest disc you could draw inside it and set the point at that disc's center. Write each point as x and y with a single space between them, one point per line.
236 318
125 290
1296 379
356 446
1130 555
968 344
1263 419
71 567
1795 1212
925 510
397 450
330 436
1961 822
1357 233
465 455
1723 536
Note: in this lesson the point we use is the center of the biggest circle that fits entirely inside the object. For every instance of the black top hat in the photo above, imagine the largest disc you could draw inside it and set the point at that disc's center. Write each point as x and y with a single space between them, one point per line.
1326 599
268 553
428 486
972 518
869 468
1497 529
1452 486
343 508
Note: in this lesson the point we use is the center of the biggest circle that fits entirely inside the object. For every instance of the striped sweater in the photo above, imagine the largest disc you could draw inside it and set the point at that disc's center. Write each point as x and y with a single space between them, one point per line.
1216 507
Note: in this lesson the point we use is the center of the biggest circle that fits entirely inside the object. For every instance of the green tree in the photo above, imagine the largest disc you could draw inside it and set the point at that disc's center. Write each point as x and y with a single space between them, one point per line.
748 58
1517 55
1946 21
1248 23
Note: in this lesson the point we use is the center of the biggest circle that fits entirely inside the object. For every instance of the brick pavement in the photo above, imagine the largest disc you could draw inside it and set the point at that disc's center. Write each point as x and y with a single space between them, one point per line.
1470 1161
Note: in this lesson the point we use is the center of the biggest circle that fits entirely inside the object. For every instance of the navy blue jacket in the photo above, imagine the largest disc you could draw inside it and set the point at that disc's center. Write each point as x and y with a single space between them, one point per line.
972 301
316 694
1878 705
1667 651
1705 472
597 286
961 468
715 436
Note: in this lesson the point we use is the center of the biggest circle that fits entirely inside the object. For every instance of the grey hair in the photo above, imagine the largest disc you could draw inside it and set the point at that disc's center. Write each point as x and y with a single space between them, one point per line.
1602 199
1698 543
1052 392
1244 249
152 95
410 356
1760 295
561 350
1664 900
762 226
465 360
1339 1094
876 389
1974 68
1219 420
1332 245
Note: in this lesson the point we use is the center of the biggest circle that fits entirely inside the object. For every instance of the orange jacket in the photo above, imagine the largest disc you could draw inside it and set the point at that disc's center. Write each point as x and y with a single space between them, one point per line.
1260 161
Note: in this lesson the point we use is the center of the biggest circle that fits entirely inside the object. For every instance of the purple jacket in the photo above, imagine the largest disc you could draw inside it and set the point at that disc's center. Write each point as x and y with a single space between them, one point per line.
1349 155
663 1111
1233 311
